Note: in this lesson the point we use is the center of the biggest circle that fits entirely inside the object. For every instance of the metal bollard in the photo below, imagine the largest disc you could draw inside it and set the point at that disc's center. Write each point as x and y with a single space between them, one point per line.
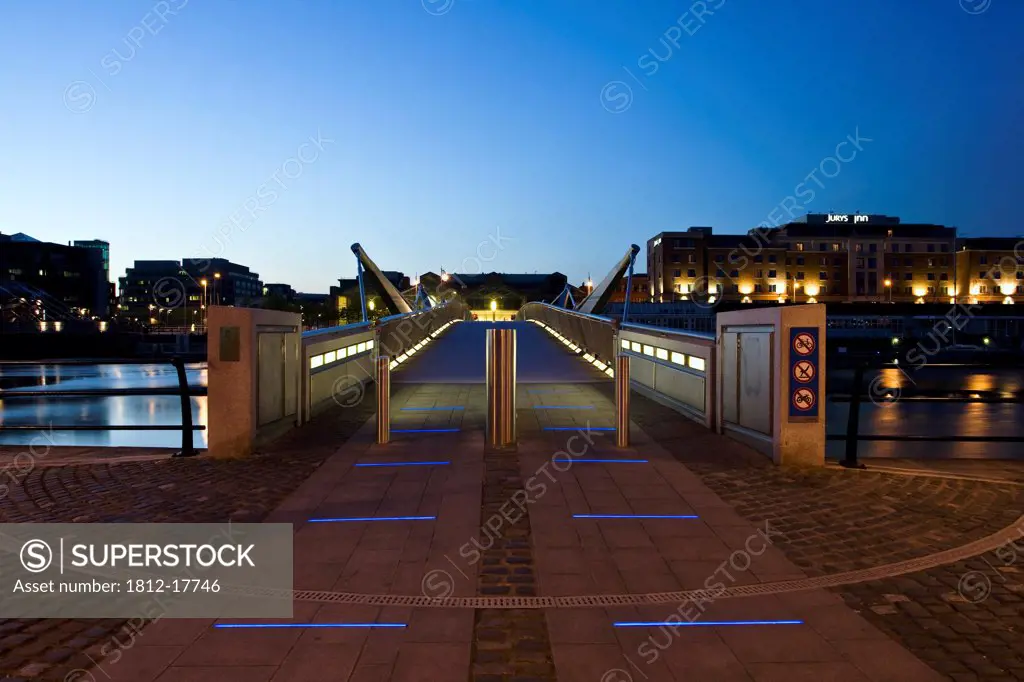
383 378
501 388
622 400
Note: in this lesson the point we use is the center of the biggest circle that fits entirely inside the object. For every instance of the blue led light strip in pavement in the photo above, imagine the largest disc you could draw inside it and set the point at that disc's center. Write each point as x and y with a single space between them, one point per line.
400 464
424 430
588 429
563 407
634 516
249 626
433 409
374 518
707 624
608 461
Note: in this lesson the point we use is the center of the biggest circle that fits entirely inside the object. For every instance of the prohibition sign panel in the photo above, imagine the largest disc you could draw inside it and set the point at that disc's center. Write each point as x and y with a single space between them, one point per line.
804 373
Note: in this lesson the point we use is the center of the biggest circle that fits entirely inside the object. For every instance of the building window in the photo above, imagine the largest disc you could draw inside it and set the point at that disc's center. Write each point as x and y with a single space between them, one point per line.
945 291
824 289
799 275
760 274
771 259
677 273
758 259
983 260
691 273
944 248
981 274
872 263
931 248
771 274
908 290
824 261
858 248
983 289
719 259
909 248
835 246
908 276
800 260
822 275
872 248
996 274
931 276
773 288
675 259
895 247
1020 275
860 263
943 277
799 246
758 288
691 258
822 246
734 273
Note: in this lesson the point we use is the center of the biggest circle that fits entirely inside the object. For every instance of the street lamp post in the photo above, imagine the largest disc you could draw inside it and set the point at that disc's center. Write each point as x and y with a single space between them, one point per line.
216 290
888 285
206 301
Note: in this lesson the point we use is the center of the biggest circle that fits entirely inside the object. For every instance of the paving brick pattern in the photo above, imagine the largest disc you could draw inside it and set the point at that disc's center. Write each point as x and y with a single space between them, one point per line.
188 490
508 644
965 620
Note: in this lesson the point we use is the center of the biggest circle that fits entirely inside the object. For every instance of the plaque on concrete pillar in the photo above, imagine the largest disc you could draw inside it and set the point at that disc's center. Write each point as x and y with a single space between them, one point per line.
230 344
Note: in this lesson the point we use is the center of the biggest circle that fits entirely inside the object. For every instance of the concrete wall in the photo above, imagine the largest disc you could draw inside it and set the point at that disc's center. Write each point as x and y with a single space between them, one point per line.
253 376
755 386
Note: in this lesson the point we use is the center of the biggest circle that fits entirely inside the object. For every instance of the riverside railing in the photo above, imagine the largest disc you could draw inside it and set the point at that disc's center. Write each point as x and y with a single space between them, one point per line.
183 390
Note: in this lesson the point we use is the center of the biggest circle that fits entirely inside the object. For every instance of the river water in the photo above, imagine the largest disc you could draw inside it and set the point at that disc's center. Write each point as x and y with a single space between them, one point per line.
98 410
902 417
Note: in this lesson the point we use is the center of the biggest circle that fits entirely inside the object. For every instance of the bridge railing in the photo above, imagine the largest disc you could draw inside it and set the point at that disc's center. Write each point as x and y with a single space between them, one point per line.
676 368
339 361
593 333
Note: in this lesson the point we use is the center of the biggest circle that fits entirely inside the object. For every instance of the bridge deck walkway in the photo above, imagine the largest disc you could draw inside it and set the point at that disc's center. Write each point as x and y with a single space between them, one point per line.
480 543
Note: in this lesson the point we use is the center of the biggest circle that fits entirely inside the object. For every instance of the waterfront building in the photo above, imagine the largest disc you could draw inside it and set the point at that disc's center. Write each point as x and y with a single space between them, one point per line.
42 281
818 258
177 292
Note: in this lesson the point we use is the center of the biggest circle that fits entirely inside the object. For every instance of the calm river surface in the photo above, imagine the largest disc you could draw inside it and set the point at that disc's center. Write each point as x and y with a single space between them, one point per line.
94 410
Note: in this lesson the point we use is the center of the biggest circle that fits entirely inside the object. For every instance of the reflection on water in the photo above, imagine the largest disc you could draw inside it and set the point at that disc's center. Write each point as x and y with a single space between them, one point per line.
932 418
97 410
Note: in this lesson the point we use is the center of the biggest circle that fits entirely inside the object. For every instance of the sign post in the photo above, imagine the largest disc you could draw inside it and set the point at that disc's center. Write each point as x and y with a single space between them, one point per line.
804 381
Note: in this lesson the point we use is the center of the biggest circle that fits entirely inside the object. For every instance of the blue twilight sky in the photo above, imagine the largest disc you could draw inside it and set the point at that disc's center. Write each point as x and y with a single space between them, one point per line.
490 134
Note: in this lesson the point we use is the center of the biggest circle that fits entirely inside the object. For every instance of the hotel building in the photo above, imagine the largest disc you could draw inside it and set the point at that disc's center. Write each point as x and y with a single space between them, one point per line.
835 258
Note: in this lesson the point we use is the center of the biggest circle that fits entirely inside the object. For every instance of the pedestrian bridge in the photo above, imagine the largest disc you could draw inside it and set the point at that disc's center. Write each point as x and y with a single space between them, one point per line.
757 379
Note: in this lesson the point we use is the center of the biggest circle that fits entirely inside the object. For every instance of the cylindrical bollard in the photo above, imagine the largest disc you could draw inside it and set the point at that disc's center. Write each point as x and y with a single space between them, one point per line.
383 379
501 388
622 400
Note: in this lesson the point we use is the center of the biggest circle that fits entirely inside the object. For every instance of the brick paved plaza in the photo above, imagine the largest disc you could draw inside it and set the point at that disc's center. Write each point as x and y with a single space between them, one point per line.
506 584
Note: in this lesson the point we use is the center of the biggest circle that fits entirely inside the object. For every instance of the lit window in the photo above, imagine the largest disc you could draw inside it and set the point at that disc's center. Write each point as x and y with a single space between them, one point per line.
648 350
636 347
330 357
678 358
316 361
661 353
351 350
625 344
369 344
696 363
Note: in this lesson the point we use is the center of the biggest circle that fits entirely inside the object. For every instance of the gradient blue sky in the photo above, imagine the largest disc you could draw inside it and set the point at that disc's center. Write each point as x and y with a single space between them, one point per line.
450 126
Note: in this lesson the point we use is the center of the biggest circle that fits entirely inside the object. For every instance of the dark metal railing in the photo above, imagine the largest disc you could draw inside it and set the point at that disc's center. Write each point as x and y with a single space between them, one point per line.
182 390
852 437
